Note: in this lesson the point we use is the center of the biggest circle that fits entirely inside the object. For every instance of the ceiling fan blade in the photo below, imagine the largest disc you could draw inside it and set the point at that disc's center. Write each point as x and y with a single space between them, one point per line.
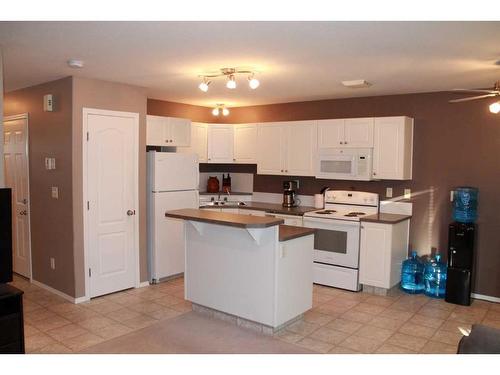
471 98
478 91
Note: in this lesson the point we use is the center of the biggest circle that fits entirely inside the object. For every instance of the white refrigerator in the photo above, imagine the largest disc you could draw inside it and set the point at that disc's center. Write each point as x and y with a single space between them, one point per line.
173 180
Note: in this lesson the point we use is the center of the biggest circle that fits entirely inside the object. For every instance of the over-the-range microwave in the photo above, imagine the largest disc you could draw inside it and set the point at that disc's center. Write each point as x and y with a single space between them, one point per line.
345 163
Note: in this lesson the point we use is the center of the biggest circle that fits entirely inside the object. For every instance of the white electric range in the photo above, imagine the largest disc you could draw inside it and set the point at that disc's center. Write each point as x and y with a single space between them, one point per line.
336 242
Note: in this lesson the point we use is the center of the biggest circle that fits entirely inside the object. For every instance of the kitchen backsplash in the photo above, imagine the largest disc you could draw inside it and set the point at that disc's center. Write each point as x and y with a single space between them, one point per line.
240 182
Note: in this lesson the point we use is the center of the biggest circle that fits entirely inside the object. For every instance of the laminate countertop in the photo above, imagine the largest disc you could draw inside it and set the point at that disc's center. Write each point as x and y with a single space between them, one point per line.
289 232
273 208
384 218
222 218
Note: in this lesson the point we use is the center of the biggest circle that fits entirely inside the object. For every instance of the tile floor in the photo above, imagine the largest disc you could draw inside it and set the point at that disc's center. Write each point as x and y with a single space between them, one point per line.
339 322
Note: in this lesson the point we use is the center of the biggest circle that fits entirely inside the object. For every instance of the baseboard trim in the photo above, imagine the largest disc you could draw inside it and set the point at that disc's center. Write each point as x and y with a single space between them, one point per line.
485 298
142 284
55 291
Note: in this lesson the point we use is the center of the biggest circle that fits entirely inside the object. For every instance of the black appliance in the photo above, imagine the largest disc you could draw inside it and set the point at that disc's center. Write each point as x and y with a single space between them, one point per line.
11 320
5 235
460 263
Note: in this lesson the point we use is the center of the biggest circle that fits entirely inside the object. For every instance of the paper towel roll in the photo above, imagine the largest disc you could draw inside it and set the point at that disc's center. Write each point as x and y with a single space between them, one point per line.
318 200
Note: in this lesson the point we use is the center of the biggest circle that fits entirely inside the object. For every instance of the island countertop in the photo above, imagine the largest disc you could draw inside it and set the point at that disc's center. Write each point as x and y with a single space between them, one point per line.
385 218
290 232
222 218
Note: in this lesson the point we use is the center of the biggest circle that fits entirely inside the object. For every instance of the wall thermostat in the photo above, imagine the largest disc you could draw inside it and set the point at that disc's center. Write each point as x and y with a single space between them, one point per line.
48 103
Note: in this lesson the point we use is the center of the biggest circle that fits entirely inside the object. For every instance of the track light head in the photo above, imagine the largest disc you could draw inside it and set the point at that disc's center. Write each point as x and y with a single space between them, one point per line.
215 111
253 82
225 111
231 83
204 85
495 107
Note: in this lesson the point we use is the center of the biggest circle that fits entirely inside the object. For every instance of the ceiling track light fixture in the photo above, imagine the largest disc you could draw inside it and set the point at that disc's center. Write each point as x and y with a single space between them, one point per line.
230 74
220 108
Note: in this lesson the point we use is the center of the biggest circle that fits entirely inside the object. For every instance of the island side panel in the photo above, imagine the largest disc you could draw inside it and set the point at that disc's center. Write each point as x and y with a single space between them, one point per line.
227 270
294 278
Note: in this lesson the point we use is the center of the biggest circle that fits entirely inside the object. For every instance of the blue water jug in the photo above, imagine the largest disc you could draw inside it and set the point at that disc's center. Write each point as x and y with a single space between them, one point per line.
412 275
465 204
435 278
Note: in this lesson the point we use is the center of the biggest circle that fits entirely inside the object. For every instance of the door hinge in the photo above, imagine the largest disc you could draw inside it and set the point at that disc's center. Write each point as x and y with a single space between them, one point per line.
88 205
90 272
87 136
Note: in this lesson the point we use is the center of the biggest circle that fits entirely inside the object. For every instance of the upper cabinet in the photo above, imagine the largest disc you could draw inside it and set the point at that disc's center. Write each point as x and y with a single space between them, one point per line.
220 143
245 143
167 131
199 139
340 133
393 148
287 148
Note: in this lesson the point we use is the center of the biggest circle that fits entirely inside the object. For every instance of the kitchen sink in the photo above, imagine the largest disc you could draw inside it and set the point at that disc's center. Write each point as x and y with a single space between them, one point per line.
222 203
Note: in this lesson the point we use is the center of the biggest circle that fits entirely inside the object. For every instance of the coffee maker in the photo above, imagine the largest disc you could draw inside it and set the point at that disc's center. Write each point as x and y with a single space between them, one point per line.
289 188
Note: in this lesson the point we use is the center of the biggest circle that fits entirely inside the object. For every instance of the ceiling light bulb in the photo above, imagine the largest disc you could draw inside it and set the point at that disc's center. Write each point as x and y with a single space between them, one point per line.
215 111
253 83
495 107
204 85
231 83
225 111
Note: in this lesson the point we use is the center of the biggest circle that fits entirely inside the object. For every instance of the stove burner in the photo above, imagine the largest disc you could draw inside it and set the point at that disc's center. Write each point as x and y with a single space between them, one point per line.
326 212
354 214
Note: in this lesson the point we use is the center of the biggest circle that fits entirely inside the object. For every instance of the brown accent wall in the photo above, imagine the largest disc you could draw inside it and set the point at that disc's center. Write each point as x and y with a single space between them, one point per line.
98 94
454 145
50 135
171 109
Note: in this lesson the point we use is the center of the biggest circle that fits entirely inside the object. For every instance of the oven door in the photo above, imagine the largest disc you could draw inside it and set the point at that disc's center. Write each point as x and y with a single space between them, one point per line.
335 241
338 167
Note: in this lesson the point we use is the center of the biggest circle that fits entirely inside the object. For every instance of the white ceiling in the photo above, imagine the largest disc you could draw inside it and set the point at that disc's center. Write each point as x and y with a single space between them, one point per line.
297 60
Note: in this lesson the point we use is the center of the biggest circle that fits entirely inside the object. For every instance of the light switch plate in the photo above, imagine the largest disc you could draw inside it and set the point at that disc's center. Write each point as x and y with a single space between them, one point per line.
55 192
452 195
407 193
388 192
52 263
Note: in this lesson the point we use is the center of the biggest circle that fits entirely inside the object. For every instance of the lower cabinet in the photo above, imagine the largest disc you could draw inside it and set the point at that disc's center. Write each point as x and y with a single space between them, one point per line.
383 248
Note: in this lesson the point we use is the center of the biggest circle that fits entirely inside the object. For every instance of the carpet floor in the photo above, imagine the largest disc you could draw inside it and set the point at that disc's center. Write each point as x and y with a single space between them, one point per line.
194 333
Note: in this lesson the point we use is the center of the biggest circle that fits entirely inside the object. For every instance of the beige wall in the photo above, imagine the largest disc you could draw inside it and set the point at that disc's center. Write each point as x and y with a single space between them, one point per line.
91 93
51 219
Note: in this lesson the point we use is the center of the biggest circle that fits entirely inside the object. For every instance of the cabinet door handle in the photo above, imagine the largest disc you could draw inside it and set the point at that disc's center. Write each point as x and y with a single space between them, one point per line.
234 159
374 173
341 143
282 170
345 143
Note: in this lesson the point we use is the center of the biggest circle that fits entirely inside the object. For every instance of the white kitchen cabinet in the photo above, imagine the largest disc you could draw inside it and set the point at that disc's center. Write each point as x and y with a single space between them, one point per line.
287 148
245 211
383 247
271 138
393 148
167 131
345 133
294 220
220 143
198 141
245 143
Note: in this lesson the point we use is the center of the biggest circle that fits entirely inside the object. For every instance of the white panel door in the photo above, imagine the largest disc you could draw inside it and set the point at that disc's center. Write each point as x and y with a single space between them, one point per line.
169 237
16 178
220 143
271 139
179 131
300 148
111 187
330 133
245 143
358 132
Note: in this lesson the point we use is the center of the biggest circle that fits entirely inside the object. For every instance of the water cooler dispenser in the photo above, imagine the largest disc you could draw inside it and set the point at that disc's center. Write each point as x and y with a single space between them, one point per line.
461 237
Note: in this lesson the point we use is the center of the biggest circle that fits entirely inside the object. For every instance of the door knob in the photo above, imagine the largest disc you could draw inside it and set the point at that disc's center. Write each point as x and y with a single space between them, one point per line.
130 212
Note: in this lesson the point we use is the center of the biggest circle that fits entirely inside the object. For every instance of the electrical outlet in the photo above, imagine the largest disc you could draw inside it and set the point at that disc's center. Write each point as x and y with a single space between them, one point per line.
53 263
55 192
388 192
407 193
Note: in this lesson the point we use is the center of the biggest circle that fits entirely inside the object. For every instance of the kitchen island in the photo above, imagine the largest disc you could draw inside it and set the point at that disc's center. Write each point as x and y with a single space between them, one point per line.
250 270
